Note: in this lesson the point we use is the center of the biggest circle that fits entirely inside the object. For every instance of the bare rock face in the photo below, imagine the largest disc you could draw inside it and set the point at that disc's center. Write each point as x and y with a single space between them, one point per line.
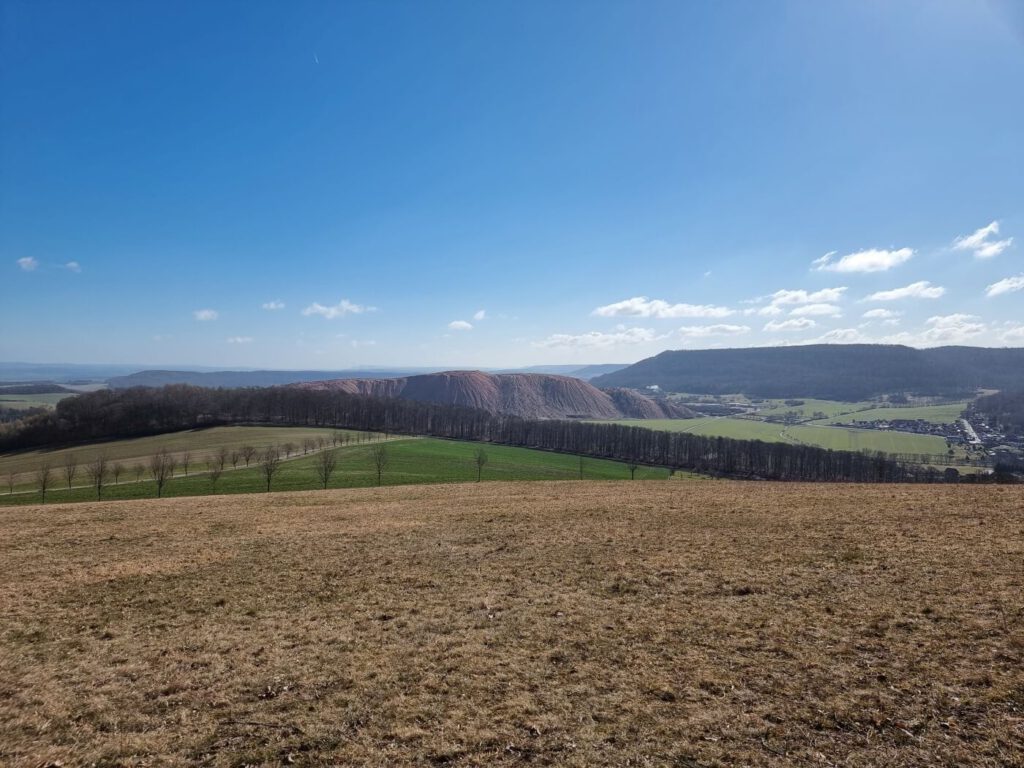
529 395
634 405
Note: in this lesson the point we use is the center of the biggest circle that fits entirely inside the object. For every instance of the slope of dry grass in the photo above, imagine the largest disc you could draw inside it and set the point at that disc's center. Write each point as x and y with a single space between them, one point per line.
575 624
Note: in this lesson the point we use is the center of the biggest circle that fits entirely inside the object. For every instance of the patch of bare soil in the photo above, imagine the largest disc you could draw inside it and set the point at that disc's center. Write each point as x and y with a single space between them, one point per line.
578 624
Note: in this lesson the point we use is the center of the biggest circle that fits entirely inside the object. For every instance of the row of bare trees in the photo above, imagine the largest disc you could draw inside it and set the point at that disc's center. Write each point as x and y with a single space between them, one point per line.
163 465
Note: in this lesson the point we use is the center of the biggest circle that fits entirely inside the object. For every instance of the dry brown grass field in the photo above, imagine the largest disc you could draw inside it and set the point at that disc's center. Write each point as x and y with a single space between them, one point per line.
572 623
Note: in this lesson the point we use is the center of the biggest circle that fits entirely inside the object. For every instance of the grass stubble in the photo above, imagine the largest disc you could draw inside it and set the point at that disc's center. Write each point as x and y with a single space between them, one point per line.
574 624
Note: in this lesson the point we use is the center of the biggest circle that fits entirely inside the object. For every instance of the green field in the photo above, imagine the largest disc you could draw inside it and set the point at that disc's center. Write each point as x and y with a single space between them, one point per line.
411 461
836 438
201 443
947 413
23 402
831 408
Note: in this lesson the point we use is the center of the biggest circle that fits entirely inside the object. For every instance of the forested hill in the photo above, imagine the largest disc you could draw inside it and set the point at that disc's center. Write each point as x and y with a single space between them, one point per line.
827 371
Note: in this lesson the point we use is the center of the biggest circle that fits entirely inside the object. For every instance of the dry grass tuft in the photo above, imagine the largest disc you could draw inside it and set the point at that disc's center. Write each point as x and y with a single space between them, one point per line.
574 624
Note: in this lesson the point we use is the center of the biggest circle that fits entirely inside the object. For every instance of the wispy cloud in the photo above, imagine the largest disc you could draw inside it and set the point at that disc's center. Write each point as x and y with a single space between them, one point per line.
205 315
980 242
793 324
28 263
817 310
240 339
641 306
870 260
922 289
460 325
881 314
73 266
824 296
1006 285
706 331
598 340
342 308
480 314
271 306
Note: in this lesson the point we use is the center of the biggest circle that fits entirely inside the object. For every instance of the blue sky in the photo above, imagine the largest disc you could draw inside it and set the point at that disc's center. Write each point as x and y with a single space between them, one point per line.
500 184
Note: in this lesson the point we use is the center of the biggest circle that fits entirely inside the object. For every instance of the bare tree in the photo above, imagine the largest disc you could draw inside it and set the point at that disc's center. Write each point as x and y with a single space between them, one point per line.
44 476
632 467
235 456
216 470
139 469
98 471
161 469
308 444
325 464
321 442
10 483
220 459
289 449
270 463
185 459
480 459
380 457
336 436
248 454
115 471
70 468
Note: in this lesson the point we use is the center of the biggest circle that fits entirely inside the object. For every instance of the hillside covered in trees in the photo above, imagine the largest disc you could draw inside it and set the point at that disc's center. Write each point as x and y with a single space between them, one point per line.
828 371
1003 410
111 414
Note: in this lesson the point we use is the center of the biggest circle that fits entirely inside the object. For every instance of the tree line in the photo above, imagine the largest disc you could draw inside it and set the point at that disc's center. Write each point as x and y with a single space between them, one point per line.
114 414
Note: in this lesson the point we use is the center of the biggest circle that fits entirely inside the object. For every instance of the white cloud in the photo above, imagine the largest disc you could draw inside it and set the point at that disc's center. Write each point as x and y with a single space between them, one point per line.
817 310
870 260
704 331
1014 335
460 325
27 263
480 314
205 314
951 329
1006 285
922 289
598 340
881 314
342 308
357 344
979 242
73 266
842 336
273 305
641 306
824 296
794 324
240 340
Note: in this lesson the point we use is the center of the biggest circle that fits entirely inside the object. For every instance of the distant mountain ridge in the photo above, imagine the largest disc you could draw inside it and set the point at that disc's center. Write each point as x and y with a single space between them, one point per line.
827 371
529 395
274 378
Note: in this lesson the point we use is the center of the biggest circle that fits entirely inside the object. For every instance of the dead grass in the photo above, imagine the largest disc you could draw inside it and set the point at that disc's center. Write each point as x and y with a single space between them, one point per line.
576 624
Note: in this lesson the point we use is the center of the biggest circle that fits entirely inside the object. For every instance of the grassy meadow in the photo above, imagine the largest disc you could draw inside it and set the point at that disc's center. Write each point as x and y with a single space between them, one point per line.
24 402
410 461
836 438
946 413
571 624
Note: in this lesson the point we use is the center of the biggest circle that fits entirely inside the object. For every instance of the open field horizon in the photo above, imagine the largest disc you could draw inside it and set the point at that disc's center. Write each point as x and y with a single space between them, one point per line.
693 624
